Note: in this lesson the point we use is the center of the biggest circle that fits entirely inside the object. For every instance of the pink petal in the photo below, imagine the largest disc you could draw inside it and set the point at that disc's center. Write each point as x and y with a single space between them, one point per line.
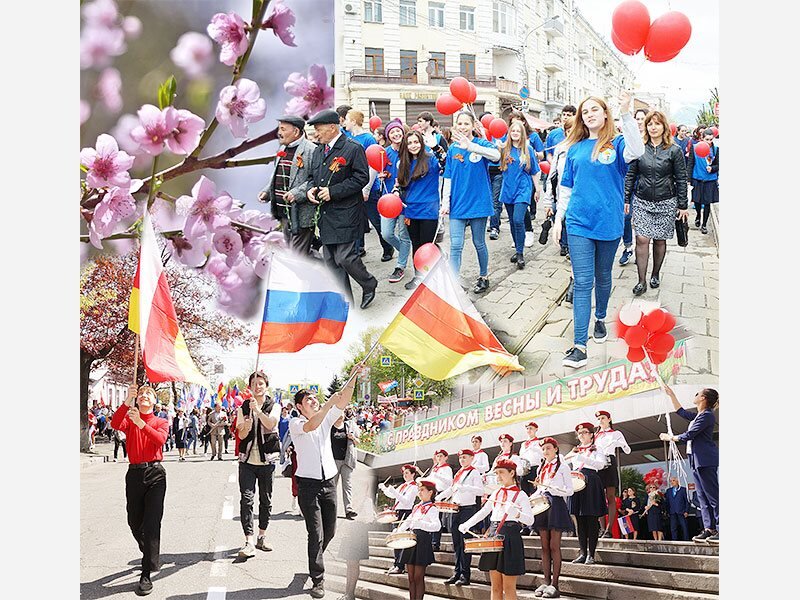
247 90
106 145
318 75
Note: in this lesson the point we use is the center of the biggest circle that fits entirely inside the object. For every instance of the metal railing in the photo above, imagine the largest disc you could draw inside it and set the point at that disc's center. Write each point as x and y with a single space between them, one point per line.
387 76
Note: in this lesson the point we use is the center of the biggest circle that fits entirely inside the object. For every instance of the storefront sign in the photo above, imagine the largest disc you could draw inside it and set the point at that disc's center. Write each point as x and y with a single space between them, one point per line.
418 96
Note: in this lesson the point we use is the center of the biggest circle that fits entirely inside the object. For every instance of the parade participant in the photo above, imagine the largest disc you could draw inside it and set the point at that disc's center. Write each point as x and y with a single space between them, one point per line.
217 420
344 438
481 460
442 474
683 139
418 186
559 134
590 503
465 490
119 440
655 190
180 431
194 430
592 199
703 457
393 231
630 508
341 112
316 469
404 496
354 125
551 199
538 146
496 184
427 124
519 167
259 453
510 510
467 196
146 479
337 174
507 453
678 510
556 484
424 522
705 179
608 440
531 451
653 511
288 202
205 432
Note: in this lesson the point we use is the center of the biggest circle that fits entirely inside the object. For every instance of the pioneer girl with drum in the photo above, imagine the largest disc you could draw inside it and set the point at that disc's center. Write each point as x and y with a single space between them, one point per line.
442 474
510 510
423 521
590 503
405 495
608 440
554 482
507 453
481 460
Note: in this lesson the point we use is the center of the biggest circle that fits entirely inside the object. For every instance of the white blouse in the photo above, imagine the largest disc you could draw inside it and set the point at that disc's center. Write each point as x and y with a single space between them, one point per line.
443 475
405 495
420 518
481 462
609 440
560 481
502 501
531 451
465 490
595 460
513 458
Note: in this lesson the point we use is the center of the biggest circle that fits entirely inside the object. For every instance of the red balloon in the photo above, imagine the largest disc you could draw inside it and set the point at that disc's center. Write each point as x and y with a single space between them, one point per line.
621 46
390 205
715 130
375 122
668 34
669 323
473 93
636 336
635 354
653 320
673 129
426 256
545 167
620 328
459 87
630 22
498 127
702 149
448 105
657 358
661 343
486 120
376 157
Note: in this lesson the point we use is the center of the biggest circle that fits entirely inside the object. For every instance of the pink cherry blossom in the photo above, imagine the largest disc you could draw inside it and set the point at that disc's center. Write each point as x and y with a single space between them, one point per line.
194 253
102 13
194 54
256 218
205 210
109 85
227 241
217 266
156 127
122 133
116 205
132 27
240 104
229 32
312 93
281 21
86 111
108 166
239 293
262 261
187 133
99 44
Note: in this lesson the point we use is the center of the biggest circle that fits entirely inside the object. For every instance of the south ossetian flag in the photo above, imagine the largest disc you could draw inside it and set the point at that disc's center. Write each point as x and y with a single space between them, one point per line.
151 314
304 305
440 334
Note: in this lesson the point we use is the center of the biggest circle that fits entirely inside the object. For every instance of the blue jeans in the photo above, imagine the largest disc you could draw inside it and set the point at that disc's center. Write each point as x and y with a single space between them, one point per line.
395 232
591 267
516 218
457 229
627 232
497 185
374 217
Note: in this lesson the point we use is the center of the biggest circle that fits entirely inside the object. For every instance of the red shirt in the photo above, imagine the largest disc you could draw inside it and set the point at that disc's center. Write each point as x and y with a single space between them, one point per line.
145 444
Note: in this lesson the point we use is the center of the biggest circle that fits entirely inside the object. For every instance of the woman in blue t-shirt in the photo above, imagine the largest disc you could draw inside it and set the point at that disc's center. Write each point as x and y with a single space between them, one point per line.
467 195
393 230
418 184
591 197
705 179
519 167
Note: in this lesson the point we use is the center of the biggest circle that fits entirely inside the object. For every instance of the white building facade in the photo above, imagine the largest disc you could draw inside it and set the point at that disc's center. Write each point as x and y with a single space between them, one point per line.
400 55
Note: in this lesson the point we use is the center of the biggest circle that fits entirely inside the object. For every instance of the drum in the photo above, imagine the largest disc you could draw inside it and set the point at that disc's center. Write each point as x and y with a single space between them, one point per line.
490 483
524 466
399 540
539 504
446 507
578 481
387 516
479 545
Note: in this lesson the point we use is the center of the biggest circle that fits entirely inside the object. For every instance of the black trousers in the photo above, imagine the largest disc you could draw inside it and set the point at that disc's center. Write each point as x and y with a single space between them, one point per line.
346 263
145 490
421 232
463 560
249 475
300 240
117 444
317 502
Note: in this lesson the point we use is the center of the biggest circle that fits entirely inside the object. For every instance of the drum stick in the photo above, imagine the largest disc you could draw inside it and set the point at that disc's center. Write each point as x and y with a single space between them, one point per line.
552 487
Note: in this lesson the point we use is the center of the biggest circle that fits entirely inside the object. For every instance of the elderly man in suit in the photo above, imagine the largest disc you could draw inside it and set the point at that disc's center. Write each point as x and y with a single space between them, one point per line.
678 509
288 202
337 174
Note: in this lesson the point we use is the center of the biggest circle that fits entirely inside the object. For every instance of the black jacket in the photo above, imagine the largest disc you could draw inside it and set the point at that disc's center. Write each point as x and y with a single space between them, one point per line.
342 219
659 174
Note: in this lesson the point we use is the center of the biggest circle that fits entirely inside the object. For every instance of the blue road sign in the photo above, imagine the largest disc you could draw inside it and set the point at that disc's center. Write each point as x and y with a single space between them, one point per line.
524 92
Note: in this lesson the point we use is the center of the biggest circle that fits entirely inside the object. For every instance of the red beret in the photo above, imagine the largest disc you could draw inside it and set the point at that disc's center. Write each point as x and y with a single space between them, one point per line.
466 451
477 437
603 413
549 440
506 464
532 424
412 468
441 451
588 426
507 436
428 483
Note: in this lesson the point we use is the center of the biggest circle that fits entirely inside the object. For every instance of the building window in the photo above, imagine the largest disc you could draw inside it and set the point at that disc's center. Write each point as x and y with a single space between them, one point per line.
373 11
538 81
436 14
436 63
467 18
503 18
373 60
408 64
468 66
408 12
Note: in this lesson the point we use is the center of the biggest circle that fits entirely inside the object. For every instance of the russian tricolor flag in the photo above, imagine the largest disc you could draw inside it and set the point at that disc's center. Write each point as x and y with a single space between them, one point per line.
304 305
625 525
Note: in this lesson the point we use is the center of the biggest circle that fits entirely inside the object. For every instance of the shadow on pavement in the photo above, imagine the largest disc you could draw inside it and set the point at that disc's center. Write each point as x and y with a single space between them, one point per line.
295 587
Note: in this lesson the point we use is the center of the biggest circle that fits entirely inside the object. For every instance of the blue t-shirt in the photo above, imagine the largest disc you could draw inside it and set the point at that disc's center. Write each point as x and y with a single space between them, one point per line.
555 137
682 143
470 190
366 139
537 142
346 133
517 181
596 208
422 195
700 163
283 427
393 158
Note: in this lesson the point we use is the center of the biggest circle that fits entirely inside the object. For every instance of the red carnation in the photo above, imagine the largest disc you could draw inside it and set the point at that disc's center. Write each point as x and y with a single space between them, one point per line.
340 160
281 154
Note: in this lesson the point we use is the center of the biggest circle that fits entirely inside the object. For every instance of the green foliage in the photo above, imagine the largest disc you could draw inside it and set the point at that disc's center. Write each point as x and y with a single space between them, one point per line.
705 116
167 92
632 478
335 385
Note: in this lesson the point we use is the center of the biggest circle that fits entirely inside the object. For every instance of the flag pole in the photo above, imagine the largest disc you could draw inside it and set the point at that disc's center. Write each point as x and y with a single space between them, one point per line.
269 274
135 358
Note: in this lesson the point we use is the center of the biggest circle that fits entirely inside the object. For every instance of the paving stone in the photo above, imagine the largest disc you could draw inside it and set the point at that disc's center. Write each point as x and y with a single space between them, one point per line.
555 329
690 310
713 328
703 341
697 359
714 361
533 361
697 325
549 343
700 380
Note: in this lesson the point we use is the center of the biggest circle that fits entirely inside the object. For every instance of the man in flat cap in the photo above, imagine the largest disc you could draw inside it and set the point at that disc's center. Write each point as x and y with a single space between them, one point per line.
337 174
288 201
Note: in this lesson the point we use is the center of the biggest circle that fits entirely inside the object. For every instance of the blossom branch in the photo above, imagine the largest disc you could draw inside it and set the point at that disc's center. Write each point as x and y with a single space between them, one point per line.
264 160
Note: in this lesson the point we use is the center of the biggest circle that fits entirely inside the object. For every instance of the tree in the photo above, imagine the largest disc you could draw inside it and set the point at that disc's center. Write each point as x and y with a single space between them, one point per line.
334 386
706 116
106 341
631 478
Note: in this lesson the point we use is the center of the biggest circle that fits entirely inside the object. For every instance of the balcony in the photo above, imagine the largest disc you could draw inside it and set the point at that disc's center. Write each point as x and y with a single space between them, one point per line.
553 100
584 51
555 28
554 60
445 78
508 86
388 76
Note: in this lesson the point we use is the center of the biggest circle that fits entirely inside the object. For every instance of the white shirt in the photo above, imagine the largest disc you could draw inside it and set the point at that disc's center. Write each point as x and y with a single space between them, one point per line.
560 480
501 502
424 516
330 144
513 458
443 476
531 451
313 448
405 494
465 490
481 461
595 460
609 440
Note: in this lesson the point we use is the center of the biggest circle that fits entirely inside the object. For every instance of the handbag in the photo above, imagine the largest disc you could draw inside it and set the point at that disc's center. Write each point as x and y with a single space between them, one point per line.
682 231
